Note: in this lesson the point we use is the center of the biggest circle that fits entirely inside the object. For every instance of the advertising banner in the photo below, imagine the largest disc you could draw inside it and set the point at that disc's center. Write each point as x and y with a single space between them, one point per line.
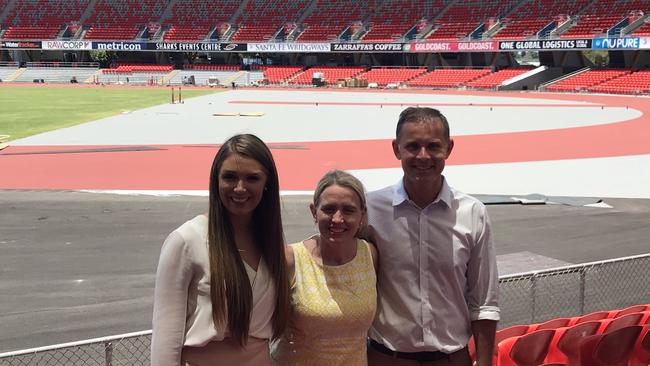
120 46
369 47
197 47
616 43
482 46
21 44
288 47
644 43
67 45
545 45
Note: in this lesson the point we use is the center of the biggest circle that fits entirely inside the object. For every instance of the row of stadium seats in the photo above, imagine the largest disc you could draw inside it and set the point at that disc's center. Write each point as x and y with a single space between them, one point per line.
416 77
561 341
259 20
384 76
612 81
394 18
213 67
192 20
279 74
533 16
330 73
634 83
602 15
329 19
605 81
131 68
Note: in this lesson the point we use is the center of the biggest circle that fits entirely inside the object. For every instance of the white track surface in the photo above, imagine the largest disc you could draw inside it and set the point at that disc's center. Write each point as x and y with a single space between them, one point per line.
337 116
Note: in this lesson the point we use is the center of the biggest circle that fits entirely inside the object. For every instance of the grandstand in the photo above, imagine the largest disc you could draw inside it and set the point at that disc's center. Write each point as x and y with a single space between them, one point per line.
436 37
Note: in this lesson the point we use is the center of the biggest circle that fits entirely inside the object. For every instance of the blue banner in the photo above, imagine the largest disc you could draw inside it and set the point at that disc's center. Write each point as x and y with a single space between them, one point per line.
616 43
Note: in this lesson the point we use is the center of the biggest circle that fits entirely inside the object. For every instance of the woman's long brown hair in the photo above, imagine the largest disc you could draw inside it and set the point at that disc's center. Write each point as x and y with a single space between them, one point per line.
230 289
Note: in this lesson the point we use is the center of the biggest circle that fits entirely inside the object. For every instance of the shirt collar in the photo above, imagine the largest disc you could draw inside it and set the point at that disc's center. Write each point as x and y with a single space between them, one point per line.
400 196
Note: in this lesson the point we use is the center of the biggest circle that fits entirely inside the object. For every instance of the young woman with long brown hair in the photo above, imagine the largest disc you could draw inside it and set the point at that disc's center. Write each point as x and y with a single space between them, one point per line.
221 285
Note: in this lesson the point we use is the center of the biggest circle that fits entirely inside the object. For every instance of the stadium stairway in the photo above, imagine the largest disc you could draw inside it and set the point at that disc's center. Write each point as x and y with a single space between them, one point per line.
15 75
234 77
562 77
167 78
91 79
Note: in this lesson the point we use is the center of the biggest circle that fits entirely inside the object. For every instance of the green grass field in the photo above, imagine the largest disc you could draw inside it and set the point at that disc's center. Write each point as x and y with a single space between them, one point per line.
26 111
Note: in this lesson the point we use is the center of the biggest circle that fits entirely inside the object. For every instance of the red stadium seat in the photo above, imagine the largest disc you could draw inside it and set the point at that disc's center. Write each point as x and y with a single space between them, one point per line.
641 352
564 346
525 350
597 315
531 349
611 325
632 309
609 349
502 334
550 324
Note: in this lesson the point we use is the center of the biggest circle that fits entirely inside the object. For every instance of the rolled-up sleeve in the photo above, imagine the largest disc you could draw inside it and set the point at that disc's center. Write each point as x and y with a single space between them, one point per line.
482 273
173 277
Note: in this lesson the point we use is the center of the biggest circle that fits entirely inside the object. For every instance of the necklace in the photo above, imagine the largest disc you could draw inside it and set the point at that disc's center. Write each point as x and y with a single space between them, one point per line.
336 261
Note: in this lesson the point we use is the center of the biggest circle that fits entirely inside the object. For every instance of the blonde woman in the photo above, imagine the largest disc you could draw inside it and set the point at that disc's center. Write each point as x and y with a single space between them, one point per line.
333 288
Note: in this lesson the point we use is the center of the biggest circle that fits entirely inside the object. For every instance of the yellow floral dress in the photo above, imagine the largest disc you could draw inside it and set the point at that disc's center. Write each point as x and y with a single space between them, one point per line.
332 310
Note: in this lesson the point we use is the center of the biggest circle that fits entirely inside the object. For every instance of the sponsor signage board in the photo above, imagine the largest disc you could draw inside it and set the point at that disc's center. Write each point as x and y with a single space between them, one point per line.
481 46
120 46
21 44
288 47
67 45
369 47
616 43
545 45
197 47
644 43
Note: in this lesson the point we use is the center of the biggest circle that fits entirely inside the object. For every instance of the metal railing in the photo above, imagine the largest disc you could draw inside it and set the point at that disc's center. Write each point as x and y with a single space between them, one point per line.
131 349
525 298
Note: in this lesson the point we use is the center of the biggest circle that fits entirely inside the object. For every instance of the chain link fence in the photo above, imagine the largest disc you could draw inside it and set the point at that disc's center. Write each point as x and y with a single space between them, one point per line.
130 349
574 290
524 298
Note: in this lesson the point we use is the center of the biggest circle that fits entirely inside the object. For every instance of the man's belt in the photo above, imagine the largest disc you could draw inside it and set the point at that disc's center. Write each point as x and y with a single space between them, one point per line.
417 356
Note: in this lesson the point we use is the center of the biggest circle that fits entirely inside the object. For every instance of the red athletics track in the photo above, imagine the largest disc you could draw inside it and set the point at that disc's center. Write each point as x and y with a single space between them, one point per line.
186 167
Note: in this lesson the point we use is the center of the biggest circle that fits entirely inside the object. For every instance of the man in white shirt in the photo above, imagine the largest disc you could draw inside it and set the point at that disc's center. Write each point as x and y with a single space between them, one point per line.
438 280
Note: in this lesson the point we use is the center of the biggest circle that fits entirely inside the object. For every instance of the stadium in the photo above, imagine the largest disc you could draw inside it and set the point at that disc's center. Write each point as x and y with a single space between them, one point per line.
111 112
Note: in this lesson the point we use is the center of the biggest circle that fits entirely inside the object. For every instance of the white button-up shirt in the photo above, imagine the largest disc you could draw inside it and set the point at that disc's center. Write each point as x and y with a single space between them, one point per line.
437 269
